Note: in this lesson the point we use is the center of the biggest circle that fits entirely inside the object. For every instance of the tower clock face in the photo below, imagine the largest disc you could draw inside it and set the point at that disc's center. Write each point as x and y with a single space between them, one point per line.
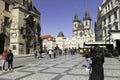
14 35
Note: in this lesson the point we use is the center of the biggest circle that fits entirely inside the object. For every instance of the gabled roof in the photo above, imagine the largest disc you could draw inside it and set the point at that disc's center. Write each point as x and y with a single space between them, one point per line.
48 37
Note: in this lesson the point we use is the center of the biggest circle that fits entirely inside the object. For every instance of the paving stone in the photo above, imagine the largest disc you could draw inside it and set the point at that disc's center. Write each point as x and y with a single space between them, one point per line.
32 64
65 65
33 69
69 62
47 65
110 78
79 71
55 70
40 76
111 61
114 73
14 75
81 65
71 77
109 66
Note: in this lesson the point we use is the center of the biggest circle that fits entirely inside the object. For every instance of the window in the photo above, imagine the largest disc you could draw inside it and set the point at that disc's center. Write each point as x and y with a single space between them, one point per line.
86 23
104 21
116 27
110 28
109 18
7 6
14 47
24 2
115 15
75 25
105 32
111 4
108 7
6 21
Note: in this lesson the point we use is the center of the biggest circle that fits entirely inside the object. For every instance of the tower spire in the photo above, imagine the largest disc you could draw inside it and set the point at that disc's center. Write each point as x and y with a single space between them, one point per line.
87 15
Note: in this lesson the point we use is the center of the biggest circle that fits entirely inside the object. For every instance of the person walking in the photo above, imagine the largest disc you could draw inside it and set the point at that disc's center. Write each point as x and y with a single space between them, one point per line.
97 72
10 60
40 54
50 52
35 54
3 59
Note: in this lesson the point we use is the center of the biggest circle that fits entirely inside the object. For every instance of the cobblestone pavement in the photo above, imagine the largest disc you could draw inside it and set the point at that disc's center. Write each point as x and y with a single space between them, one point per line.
65 67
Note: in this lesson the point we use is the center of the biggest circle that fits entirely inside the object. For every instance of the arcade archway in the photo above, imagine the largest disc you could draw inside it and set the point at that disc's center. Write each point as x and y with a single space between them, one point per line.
2 42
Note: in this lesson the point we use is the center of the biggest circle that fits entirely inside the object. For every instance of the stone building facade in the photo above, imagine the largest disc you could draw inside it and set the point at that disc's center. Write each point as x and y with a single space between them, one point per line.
108 21
20 26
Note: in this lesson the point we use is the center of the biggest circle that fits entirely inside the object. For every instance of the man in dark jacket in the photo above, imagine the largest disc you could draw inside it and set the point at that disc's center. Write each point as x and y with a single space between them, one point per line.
10 60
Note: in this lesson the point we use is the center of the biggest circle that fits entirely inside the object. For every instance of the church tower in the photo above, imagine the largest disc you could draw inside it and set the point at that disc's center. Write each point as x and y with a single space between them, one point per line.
75 22
87 20
87 23
77 26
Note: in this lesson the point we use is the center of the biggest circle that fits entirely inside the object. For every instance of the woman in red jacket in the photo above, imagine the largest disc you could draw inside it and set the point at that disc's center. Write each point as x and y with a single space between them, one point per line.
4 58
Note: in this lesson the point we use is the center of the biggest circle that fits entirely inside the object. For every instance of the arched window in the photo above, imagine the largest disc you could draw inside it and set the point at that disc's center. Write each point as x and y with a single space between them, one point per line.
111 4
86 23
115 15
75 25
108 7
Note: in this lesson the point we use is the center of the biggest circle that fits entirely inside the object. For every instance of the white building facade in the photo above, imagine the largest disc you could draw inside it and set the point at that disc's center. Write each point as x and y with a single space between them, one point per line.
108 22
82 32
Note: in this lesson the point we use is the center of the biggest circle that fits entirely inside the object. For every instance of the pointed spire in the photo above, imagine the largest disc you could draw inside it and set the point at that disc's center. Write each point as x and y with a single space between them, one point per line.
87 15
76 18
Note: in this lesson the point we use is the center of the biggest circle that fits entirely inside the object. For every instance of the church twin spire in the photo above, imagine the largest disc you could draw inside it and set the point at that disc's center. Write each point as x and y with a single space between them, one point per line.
87 15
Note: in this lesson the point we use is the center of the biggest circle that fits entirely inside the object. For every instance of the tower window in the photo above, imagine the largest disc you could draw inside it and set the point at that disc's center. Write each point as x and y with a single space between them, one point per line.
86 23
75 25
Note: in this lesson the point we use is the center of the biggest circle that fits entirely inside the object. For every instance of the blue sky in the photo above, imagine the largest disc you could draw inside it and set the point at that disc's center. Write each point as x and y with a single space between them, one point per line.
57 15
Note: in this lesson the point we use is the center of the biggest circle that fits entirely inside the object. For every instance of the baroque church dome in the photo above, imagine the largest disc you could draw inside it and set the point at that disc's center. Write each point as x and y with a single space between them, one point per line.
60 34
